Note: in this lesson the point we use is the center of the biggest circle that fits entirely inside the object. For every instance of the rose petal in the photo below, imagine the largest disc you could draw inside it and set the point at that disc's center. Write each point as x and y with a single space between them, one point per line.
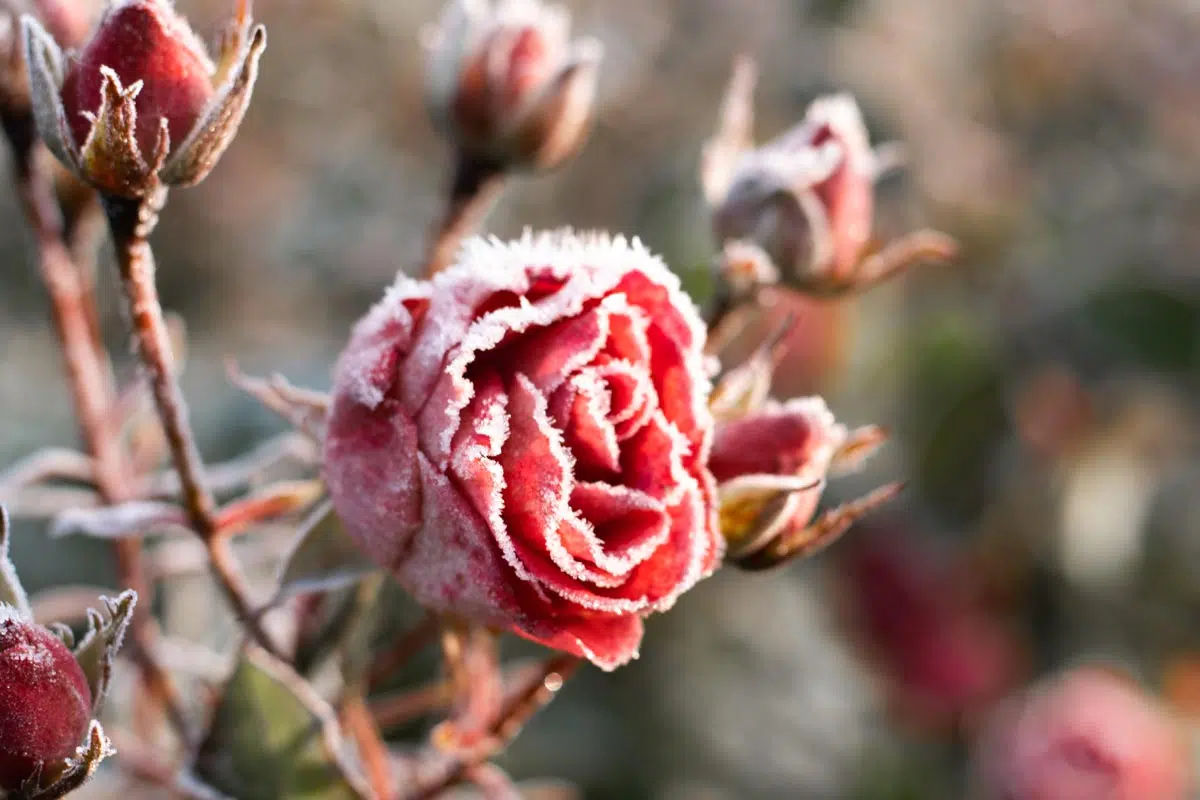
377 449
608 642
367 369
550 355
626 525
455 565
581 408
796 438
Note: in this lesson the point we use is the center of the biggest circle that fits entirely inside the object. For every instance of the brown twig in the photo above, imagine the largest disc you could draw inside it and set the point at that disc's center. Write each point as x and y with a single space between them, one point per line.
91 385
473 189
357 721
131 220
513 715
394 710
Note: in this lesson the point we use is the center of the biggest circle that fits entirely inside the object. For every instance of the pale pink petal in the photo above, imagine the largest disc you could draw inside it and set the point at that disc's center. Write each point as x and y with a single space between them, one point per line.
455 565
367 369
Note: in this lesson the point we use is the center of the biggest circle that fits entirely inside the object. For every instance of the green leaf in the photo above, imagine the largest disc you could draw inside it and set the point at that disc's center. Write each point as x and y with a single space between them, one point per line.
272 736
98 649
322 557
11 591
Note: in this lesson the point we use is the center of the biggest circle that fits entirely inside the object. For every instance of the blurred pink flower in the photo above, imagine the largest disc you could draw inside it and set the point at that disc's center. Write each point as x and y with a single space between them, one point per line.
1086 734
523 440
506 83
943 657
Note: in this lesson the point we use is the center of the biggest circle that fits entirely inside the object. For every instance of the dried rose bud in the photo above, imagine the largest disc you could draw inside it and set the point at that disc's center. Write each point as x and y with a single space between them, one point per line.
523 440
142 104
507 84
807 197
45 702
1086 734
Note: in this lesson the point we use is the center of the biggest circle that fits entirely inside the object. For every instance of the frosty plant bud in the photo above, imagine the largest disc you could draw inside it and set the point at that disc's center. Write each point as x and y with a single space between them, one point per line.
68 21
45 701
807 197
506 83
142 104
49 693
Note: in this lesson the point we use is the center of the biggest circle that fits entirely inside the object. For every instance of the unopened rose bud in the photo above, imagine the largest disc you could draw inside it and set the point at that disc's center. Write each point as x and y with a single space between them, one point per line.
142 104
67 22
1087 734
807 197
507 84
45 702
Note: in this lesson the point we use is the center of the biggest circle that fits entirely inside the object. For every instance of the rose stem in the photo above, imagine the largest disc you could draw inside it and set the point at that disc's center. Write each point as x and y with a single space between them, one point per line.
131 220
473 189
92 388
514 713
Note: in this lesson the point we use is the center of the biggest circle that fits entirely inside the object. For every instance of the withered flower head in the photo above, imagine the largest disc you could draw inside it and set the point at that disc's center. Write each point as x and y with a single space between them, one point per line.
507 84
142 104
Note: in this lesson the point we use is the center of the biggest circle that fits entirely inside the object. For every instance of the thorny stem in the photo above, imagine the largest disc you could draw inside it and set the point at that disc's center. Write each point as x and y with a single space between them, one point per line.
92 388
474 188
131 220
357 721
513 715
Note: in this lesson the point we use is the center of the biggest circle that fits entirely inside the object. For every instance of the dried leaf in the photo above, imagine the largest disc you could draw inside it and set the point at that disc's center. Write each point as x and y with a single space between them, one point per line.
272 736
322 557
11 591
98 649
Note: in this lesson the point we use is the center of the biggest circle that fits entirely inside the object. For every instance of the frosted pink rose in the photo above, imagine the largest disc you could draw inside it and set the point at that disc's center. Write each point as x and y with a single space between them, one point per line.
1087 734
522 441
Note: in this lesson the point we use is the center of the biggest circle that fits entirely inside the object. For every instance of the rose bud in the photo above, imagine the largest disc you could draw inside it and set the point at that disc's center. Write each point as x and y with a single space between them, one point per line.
69 24
523 440
944 658
507 85
771 466
142 104
1087 734
807 197
45 702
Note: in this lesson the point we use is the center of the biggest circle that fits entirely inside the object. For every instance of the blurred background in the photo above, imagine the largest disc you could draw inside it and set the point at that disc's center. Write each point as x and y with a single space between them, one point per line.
1041 394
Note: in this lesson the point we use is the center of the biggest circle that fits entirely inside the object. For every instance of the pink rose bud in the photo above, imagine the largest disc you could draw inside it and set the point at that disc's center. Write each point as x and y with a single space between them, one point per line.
523 440
1084 735
142 104
507 85
771 465
807 197
45 702
943 657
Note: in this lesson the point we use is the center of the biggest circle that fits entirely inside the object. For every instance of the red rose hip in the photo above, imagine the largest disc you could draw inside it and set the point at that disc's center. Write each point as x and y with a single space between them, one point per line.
45 702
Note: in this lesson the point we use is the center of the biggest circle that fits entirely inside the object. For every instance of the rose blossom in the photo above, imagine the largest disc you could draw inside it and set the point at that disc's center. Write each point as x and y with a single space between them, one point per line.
523 440
1088 733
